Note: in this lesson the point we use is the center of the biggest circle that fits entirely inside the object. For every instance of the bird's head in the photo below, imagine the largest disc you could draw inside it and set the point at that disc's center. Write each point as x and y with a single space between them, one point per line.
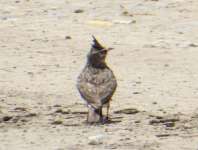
97 54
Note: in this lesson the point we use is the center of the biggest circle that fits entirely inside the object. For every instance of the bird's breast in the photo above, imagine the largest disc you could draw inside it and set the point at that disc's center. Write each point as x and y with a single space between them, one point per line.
99 77
97 84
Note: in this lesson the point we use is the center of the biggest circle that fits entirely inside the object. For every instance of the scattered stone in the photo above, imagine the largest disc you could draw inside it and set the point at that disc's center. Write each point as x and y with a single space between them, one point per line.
124 21
166 135
137 121
159 117
96 140
166 65
150 46
31 115
7 118
57 105
135 93
79 112
20 109
193 45
57 122
151 122
164 112
126 13
154 103
127 111
25 130
180 32
4 18
169 124
24 120
57 65
68 37
110 121
30 73
61 111
15 120
160 110
158 121
71 125
138 82
113 146
79 11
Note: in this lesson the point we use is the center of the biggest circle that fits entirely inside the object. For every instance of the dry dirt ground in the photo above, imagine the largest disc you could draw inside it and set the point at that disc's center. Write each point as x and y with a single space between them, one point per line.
43 46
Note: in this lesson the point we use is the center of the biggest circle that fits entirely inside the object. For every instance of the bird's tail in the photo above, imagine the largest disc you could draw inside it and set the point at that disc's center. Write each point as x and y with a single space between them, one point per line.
98 111
95 114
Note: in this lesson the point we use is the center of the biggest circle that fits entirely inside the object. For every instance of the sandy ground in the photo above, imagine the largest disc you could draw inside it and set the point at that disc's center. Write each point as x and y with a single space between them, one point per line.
43 49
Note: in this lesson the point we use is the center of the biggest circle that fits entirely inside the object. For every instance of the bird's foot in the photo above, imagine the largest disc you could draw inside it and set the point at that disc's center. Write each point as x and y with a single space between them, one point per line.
105 120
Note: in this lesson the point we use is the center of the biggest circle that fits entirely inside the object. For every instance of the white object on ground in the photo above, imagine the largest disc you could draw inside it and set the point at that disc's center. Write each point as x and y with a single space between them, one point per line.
96 140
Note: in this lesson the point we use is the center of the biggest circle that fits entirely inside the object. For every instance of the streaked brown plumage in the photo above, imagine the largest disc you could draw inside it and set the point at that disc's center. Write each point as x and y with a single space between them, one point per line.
96 83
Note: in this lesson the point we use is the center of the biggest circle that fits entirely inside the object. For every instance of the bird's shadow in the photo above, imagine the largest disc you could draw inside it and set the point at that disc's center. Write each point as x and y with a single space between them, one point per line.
114 120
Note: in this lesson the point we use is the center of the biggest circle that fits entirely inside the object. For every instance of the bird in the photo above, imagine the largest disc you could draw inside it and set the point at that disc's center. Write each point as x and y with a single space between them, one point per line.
97 83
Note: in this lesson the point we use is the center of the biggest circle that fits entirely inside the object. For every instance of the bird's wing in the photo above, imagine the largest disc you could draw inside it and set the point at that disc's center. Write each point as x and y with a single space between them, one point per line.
97 90
89 92
106 90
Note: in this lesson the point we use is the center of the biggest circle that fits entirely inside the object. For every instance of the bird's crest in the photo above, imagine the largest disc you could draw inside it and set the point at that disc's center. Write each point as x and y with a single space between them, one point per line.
96 44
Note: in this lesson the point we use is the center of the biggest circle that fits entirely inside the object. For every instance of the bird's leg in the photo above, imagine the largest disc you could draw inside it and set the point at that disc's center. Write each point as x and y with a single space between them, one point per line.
87 115
108 106
101 112
101 116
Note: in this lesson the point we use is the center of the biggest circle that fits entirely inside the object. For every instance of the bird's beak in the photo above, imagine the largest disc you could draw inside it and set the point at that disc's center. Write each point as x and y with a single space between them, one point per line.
109 49
105 49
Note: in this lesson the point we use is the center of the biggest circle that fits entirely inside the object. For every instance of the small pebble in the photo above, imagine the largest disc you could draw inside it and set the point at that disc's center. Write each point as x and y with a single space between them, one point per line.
79 11
166 65
96 140
137 121
7 118
135 93
154 103
57 122
68 37
169 124
193 45
127 111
